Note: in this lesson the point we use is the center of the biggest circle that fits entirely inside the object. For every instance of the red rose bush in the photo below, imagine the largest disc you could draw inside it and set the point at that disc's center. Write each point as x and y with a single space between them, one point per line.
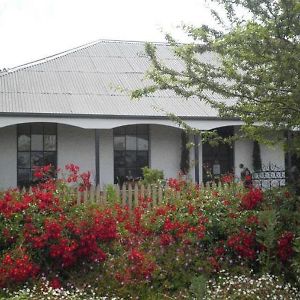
46 233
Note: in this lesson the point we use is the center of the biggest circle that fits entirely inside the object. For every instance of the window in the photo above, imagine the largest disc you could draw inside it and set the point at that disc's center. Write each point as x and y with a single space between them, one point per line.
219 159
131 152
36 147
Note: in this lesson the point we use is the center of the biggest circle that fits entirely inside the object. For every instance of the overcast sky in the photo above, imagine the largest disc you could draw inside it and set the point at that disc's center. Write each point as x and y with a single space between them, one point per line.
33 29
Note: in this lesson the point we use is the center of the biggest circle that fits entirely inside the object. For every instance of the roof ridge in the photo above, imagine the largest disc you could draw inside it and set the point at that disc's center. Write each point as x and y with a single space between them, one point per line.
73 50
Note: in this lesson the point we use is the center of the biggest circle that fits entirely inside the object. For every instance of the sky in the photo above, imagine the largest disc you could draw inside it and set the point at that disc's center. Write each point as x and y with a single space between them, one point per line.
33 29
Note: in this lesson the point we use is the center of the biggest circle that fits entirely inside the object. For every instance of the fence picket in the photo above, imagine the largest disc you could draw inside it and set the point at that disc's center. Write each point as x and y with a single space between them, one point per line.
98 194
85 196
136 195
104 197
148 191
130 196
78 196
92 194
123 192
154 195
142 191
160 195
117 189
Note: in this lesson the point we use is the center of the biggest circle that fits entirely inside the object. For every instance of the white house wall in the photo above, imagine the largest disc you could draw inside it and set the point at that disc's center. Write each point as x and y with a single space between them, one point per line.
242 155
243 150
106 154
76 145
165 149
8 157
272 155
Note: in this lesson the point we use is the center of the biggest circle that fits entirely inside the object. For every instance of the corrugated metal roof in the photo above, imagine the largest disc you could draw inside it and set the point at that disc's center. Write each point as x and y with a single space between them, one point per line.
91 80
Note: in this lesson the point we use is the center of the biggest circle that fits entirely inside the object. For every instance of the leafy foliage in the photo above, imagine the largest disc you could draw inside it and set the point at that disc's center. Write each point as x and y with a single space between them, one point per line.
152 176
249 63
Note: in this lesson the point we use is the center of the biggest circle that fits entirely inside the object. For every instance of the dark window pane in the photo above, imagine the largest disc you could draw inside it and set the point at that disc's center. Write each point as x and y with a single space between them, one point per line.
139 173
37 128
24 129
119 159
24 142
24 177
142 129
37 142
142 159
50 129
50 158
120 172
50 142
23 159
130 142
131 130
142 143
131 174
130 157
119 176
37 159
119 142
119 130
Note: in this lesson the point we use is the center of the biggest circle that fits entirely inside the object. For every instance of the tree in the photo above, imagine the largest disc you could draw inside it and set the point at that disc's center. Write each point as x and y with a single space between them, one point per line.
257 66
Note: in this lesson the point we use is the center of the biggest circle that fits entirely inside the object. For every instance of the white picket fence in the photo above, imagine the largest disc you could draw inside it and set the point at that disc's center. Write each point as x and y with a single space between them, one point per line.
129 195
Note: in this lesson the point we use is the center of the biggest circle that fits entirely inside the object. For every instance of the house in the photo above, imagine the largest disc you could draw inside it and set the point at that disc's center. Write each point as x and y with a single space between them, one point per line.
71 107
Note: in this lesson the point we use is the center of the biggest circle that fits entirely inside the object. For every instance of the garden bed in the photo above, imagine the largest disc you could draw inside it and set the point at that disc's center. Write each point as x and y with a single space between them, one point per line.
203 243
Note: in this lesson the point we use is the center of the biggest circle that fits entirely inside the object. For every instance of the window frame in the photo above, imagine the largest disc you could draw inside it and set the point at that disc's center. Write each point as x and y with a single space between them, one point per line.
30 151
124 133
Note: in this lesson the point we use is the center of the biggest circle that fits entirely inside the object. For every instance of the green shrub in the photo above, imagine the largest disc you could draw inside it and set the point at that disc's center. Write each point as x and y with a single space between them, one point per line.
152 176
111 194
155 251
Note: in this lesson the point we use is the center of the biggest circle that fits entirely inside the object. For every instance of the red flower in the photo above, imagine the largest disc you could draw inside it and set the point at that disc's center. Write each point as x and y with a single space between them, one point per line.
252 220
243 243
214 263
166 239
55 283
136 256
219 251
284 246
252 199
